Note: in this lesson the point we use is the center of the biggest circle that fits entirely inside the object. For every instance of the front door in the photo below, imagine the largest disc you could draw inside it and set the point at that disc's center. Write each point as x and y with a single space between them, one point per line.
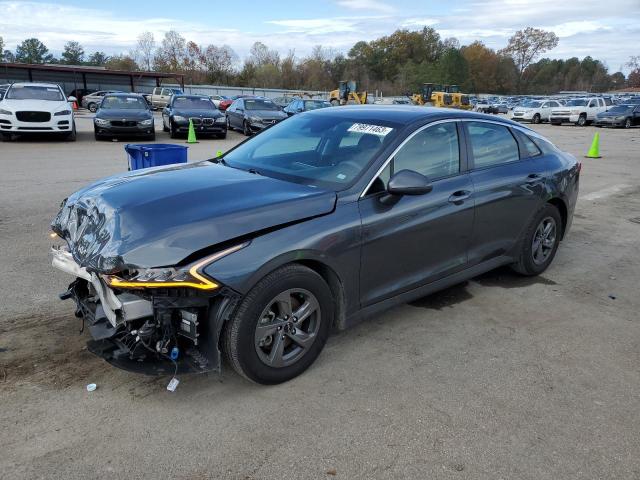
409 241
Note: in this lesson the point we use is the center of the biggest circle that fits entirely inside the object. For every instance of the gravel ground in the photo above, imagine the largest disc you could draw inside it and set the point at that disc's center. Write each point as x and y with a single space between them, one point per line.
501 377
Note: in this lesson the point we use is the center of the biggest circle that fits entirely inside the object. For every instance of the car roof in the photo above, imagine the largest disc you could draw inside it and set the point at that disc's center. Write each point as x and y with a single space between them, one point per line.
124 94
190 95
406 113
35 84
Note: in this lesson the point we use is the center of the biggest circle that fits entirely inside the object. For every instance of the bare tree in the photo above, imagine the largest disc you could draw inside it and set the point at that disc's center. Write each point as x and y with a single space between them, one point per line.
219 62
145 49
527 45
171 54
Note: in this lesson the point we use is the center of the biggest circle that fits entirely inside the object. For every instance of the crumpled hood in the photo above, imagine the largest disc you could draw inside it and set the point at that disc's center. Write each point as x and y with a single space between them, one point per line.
159 216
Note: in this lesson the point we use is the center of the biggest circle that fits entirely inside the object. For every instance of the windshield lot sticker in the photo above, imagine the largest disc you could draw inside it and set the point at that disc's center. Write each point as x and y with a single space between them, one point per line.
372 129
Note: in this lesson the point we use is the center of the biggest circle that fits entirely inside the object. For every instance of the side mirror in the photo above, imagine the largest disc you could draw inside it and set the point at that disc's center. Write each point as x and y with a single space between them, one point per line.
72 99
408 182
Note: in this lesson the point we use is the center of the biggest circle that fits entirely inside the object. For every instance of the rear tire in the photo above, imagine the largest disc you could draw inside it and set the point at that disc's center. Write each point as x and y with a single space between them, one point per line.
246 129
252 342
627 123
538 246
222 136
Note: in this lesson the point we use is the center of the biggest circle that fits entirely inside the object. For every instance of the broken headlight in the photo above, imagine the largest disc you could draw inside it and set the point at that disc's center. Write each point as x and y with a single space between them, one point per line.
189 276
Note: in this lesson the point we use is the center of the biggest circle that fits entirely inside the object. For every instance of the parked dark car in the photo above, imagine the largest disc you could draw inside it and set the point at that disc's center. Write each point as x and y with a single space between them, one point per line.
206 118
123 115
627 116
299 106
315 223
251 115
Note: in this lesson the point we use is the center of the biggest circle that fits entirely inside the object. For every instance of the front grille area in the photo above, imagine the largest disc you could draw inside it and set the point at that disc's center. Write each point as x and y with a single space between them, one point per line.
207 121
125 123
33 116
560 113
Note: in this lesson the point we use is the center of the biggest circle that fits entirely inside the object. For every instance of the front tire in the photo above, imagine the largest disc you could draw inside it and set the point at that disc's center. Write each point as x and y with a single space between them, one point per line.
173 132
281 326
540 242
71 136
627 123
582 120
536 118
246 129
92 107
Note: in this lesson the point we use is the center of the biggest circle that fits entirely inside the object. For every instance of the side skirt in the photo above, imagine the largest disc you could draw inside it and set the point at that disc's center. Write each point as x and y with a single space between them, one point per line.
427 289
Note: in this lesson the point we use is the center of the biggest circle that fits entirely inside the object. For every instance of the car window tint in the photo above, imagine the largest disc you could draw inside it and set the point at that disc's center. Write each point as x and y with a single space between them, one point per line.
292 144
434 152
491 144
530 149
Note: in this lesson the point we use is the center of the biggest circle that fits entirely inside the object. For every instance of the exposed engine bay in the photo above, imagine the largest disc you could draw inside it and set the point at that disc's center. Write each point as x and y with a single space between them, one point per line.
153 331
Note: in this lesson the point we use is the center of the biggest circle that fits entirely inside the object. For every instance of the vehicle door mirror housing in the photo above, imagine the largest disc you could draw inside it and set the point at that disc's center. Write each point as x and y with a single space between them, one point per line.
408 182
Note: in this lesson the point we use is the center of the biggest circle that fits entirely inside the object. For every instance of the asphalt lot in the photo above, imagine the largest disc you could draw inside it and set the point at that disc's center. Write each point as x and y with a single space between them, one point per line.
501 377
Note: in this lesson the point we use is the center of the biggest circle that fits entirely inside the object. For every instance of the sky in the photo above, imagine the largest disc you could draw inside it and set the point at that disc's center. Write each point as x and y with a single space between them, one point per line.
609 31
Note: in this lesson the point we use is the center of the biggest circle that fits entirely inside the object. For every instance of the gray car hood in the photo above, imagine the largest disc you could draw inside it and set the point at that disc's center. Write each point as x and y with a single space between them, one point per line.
159 216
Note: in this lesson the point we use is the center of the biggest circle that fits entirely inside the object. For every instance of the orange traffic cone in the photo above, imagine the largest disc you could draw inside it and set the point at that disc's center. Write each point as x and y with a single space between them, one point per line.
74 105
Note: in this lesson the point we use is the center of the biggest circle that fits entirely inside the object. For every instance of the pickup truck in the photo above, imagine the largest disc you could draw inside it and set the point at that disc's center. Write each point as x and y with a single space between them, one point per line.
160 96
581 111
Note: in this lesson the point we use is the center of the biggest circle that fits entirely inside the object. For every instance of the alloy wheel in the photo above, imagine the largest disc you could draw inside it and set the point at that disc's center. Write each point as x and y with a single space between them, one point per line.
544 240
287 328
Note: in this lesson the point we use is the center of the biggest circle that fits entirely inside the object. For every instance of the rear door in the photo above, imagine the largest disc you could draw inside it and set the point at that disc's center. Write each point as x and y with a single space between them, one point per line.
508 174
408 241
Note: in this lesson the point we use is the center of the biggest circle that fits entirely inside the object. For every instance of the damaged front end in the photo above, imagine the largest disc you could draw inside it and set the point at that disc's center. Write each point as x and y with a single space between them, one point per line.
154 321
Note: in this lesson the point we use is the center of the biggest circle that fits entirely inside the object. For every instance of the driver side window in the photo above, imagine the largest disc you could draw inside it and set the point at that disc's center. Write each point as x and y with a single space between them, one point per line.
434 152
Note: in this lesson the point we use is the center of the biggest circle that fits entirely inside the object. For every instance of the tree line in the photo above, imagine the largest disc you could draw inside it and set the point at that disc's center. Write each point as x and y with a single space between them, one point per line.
395 64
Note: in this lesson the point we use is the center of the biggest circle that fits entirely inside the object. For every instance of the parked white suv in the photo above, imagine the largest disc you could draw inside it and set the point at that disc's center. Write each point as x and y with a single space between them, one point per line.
36 108
580 111
535 111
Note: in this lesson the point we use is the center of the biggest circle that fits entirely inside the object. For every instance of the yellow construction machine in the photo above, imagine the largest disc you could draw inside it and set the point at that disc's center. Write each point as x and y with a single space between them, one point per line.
347 93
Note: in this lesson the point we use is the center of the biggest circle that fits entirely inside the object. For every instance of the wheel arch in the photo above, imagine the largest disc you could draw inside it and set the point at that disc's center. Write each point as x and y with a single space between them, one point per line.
562 208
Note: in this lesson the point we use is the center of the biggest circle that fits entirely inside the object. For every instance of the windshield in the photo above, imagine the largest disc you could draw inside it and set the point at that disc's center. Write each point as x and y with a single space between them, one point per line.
324 150
576 103
315 104
201 103
620 109
123 103
32 92
260 105
533 104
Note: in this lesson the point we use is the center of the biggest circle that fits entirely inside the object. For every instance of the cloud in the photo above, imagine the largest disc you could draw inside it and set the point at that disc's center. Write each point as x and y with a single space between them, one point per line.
366 6
584 27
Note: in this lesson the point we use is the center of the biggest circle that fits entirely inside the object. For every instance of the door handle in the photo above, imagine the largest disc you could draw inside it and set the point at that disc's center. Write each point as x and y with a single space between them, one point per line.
459 197
534 178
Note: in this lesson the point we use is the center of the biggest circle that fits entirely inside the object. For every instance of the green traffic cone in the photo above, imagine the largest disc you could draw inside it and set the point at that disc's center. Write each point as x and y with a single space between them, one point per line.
594 151
191 138
219 153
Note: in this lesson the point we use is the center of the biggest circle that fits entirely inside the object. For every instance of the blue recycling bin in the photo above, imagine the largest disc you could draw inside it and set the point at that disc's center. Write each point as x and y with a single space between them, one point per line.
155 155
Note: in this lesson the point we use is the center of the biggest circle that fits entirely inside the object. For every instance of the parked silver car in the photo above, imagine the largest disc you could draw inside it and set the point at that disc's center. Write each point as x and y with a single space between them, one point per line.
92 100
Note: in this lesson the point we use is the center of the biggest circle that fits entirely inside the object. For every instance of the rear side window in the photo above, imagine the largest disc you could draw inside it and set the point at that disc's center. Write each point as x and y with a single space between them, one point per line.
529 149
491 144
